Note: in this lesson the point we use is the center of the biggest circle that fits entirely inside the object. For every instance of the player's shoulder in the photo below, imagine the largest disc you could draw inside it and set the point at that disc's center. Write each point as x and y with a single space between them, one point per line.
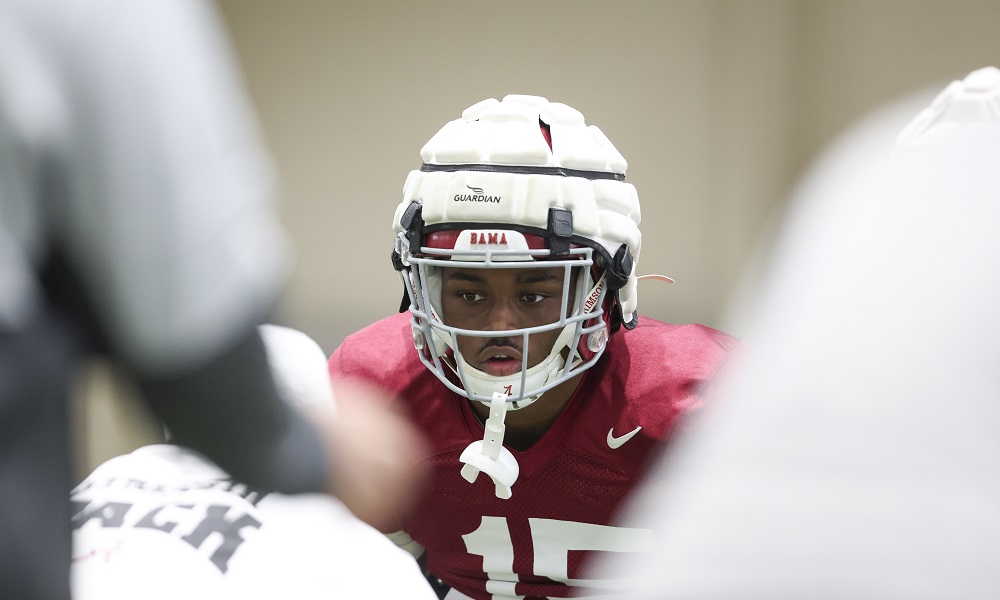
691 336
391 334
157 463
660 371
380 350
394 328
664 350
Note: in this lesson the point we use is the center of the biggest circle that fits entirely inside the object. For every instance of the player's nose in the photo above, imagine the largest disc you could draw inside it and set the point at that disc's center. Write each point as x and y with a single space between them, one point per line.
503 316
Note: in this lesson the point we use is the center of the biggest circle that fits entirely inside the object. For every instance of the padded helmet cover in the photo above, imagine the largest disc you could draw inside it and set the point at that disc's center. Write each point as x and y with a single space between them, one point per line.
494 165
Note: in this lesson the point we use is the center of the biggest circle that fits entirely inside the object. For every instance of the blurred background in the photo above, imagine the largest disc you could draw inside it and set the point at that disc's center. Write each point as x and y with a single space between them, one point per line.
718 105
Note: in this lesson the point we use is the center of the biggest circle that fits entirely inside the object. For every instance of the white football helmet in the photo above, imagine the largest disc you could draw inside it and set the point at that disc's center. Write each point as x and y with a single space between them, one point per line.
520 183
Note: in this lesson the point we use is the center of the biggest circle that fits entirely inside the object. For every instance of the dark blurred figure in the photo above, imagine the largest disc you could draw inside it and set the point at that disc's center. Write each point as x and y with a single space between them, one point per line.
136 221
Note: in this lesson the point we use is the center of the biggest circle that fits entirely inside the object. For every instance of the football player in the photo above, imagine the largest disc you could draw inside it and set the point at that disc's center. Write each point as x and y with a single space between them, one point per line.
165 522
521 357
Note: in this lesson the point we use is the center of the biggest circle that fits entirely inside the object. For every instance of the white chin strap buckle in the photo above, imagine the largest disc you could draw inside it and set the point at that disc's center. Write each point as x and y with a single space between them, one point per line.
488 455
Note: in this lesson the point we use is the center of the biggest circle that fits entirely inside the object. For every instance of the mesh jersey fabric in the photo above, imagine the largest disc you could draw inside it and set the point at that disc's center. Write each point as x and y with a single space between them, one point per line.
571 481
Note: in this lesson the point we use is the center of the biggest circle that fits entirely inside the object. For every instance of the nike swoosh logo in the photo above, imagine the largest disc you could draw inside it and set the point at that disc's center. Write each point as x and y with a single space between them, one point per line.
616 442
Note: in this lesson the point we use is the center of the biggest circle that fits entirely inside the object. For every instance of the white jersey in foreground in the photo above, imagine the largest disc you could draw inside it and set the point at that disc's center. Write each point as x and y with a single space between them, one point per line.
164 523
858 455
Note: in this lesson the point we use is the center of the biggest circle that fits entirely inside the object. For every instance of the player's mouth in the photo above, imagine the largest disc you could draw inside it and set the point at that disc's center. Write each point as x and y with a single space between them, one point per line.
499 360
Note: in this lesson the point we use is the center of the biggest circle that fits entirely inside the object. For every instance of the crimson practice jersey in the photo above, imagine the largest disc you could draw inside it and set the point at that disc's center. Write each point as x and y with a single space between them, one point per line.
537 543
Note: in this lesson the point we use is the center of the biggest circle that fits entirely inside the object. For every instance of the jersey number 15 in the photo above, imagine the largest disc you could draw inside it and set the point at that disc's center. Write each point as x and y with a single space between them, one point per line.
552 541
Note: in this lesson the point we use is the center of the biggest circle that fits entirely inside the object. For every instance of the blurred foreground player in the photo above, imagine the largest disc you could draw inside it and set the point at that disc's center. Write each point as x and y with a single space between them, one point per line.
857 455
522 358
137 222
164 522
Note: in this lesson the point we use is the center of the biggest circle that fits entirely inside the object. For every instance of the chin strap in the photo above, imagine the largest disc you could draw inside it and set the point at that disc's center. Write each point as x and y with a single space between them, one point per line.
481 383
488 455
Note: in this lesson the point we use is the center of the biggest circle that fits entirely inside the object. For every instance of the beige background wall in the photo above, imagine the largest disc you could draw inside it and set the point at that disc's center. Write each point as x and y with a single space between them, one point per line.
717 105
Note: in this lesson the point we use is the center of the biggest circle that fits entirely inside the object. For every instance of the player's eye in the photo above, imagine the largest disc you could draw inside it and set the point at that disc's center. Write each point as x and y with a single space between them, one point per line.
471 296
533 297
